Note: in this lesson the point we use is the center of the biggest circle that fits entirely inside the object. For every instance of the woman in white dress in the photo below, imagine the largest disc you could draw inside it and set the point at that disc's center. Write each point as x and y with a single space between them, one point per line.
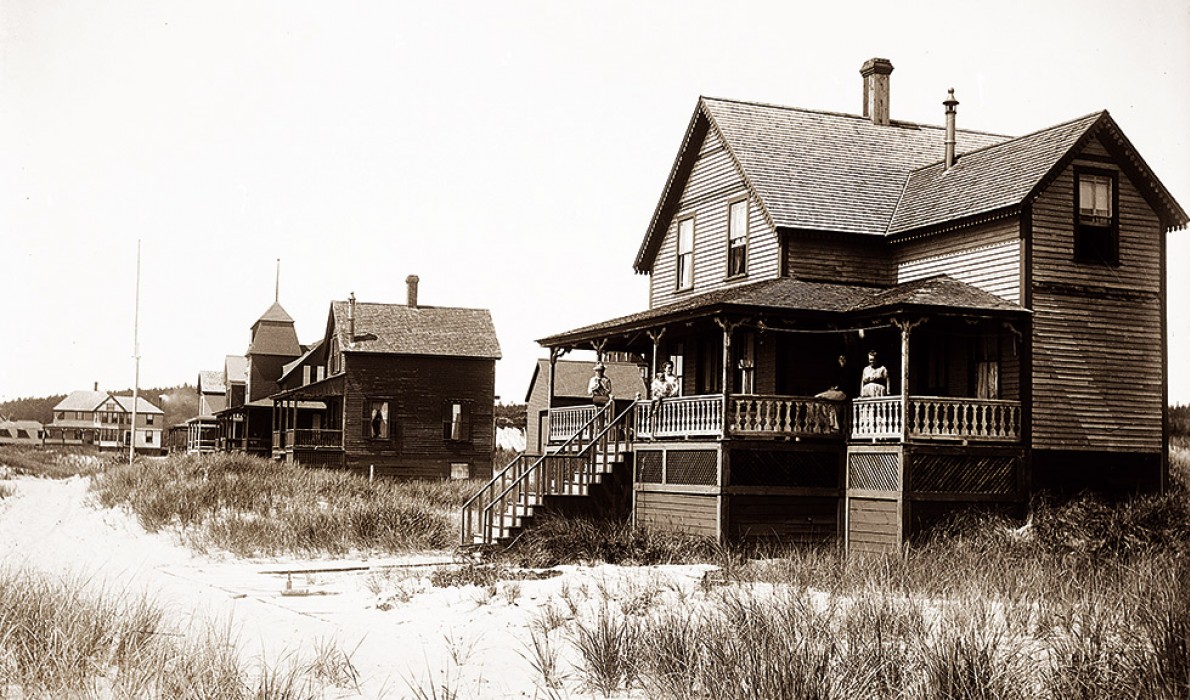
875 378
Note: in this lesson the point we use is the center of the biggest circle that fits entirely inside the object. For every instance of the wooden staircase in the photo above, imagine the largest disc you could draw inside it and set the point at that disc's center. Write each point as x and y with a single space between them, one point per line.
589 474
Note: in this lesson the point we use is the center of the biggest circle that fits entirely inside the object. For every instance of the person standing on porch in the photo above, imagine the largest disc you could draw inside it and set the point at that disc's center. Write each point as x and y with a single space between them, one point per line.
875 378
600 387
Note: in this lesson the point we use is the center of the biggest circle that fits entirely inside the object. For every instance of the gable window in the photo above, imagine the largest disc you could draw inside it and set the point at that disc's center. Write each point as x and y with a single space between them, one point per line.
1096 231
737 238
685 270
336 361
378 426
456 421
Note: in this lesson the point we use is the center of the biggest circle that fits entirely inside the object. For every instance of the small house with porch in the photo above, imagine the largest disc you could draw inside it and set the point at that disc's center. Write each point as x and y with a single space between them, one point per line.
398 390
879 323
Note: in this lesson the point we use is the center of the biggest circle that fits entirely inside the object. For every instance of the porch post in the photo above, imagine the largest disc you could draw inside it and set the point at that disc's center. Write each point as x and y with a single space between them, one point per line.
905 329
727 327
656 337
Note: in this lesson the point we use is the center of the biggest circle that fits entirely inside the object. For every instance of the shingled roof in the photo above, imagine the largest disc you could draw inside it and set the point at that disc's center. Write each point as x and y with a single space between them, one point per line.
417 330
211 382
841 173
786 294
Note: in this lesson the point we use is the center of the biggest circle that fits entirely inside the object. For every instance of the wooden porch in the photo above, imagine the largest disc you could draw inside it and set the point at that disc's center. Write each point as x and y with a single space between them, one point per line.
746 416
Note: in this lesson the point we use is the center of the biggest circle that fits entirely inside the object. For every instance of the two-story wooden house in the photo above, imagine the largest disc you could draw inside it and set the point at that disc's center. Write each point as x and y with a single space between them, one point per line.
1012 288
398 390
104 421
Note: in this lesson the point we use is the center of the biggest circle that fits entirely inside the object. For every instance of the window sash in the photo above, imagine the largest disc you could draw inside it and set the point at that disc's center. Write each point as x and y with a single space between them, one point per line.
685 271
737 236
1095 197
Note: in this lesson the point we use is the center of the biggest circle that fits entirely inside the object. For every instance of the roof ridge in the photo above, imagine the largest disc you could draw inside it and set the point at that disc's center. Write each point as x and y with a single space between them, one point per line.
1011 140
860 117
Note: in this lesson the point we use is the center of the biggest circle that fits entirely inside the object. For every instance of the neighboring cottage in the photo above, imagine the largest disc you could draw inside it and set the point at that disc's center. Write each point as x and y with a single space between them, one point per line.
996 278
406 391
26 433
104 421
201 433
570 378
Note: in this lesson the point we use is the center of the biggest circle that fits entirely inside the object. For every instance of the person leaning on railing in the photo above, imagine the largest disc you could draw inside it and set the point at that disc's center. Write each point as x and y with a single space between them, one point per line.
663 386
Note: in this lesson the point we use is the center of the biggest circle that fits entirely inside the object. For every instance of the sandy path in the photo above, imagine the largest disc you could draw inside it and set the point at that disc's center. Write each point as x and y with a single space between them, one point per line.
397 628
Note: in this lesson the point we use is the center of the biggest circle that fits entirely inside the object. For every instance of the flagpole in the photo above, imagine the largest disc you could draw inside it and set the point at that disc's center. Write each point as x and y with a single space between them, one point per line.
136 358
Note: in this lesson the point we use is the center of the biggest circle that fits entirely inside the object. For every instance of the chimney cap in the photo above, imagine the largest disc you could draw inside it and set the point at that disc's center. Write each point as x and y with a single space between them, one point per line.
950 102
879 66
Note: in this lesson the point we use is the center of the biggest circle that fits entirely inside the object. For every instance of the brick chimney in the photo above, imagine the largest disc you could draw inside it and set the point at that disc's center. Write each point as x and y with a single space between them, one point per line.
411 283
351 318
875 72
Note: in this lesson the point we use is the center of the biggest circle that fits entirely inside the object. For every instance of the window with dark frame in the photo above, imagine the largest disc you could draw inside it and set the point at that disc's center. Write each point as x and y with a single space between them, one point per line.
456 421
378 426
685 265
737 238
1096 230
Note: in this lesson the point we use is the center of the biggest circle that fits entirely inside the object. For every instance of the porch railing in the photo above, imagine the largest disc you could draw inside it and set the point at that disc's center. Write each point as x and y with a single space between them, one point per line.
311 437
937 418
566 421
683 416
778 416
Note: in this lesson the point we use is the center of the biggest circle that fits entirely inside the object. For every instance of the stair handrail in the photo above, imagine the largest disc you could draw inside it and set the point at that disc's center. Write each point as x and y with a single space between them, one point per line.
574 445
518 482
490 487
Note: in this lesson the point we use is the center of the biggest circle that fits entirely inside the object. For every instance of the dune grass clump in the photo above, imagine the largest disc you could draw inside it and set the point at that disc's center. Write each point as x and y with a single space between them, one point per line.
62 637
252 506
55 463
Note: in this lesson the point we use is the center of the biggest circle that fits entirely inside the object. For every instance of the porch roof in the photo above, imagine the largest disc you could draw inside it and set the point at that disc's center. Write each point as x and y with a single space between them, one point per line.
333 385
794 297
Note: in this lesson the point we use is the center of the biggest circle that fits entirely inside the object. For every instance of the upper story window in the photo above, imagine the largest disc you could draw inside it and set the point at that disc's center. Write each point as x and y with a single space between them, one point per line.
685 269
1096 230
336 359
737 238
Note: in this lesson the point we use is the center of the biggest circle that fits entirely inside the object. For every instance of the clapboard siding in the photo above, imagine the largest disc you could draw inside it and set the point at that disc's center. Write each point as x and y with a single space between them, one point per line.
677 512
986 256
1097 373
1097 365
713 183
783 518
873 525
419 388
850 260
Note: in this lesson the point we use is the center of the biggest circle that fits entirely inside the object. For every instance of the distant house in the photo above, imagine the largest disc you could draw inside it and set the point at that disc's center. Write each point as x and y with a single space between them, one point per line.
1011 292
570 378
104 421
400 390
28 433
246 422
202 431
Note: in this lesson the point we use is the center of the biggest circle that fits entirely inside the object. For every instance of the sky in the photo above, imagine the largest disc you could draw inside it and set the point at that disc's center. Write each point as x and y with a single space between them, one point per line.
508 153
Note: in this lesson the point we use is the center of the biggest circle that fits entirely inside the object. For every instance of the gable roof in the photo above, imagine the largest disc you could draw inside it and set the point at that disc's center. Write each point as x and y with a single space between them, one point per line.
824 171
397 329
211 382
142 406
235 369
289 367
571 378
81 401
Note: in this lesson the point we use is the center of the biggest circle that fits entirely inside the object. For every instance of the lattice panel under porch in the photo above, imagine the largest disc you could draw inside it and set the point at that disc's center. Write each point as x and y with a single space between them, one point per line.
966 474
879 471
648 467
699 467
784 468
